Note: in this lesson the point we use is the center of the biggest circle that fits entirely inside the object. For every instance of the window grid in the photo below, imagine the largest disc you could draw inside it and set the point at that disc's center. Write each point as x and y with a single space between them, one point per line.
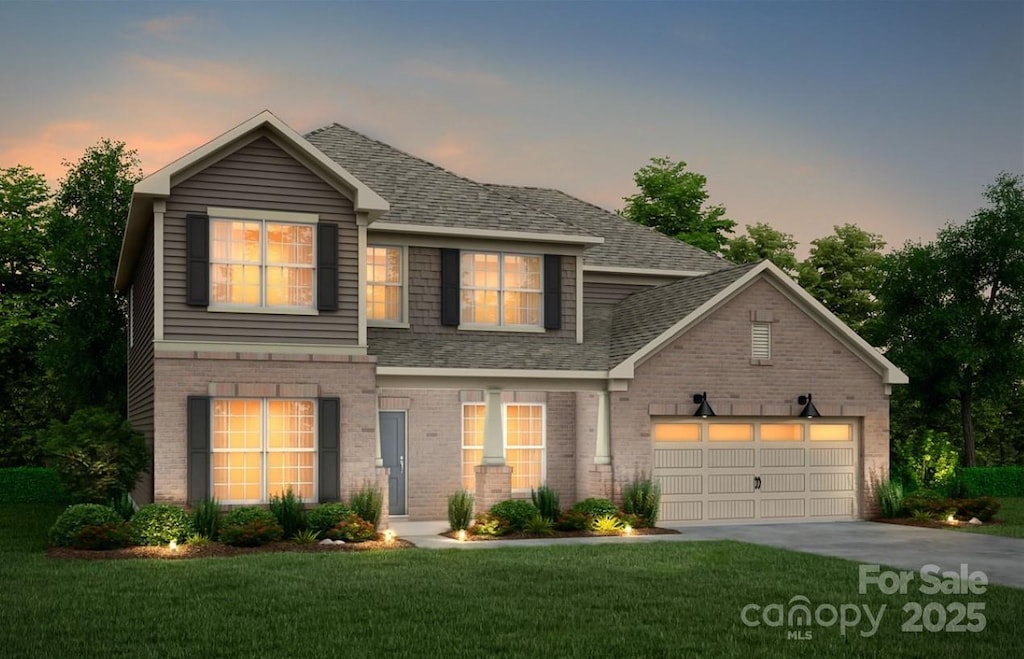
501 289
259 263
523 438
473 418
384 281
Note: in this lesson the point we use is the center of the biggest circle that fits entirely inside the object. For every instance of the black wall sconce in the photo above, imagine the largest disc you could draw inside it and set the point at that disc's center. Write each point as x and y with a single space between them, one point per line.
704 411
809 411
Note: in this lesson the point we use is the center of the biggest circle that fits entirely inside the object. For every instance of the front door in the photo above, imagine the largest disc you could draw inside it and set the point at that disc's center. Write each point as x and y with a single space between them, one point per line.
392 449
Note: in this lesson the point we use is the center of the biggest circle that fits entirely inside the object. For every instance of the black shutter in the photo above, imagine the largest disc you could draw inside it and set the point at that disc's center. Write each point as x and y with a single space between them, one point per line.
327 266
329 441
553 291
450 276
197 260
198 431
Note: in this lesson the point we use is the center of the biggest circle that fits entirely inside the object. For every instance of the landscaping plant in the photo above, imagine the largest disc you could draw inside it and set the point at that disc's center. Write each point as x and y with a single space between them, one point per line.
889 495
109 535
289 511
367 503
250 527
539 525
74 518
353 529
160 523
641 497
206 518
306 537
326 516
594 507
573 520
124 506
546 501
489 525
514 513
460 510
606 525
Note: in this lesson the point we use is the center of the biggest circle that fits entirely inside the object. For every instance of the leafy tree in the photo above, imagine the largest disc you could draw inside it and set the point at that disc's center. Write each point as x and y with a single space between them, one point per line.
843 272
674 201
88 351
953 310
24 207
763 242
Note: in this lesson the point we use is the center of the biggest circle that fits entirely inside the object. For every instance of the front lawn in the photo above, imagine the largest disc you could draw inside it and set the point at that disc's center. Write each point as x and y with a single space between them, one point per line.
1011 514
621 600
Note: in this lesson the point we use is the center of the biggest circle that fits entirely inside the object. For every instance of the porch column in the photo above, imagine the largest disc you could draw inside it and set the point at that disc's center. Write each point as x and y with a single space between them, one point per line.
493 476
494 443
379 460
602 453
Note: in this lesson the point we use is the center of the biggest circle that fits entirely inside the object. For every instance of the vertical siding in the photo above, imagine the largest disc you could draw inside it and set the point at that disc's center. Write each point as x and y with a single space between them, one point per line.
259 176
600 293
425 302
140 360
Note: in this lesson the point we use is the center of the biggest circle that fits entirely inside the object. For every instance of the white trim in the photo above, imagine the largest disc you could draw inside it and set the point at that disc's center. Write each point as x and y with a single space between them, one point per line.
500 324
579 299
361 283
653 272
217 212
468 243
269 348
159 208
520 329
404 284
131 317
528 236
491 373
251 308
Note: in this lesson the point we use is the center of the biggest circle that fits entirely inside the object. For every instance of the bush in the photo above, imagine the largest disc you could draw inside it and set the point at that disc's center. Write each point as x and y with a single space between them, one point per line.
606 525
573 520
488 524
31 485
993 481
594 507
124 506
74 518
206 518
160 523
326 516
460 510
546 501
539 525
97 454
367 503
927 459
928 503
289 511
984 508
250 527
641 497
109 535
890 498
353 529
514 513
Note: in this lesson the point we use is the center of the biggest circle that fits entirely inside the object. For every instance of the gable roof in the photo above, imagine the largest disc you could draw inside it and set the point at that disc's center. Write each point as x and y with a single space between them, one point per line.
626 243
424 195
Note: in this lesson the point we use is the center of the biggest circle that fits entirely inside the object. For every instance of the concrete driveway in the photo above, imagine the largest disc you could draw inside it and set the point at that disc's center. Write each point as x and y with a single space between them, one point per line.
906 547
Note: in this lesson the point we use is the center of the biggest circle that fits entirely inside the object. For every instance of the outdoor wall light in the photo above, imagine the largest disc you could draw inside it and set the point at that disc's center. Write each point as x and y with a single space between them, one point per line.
389 536
704 411
809 411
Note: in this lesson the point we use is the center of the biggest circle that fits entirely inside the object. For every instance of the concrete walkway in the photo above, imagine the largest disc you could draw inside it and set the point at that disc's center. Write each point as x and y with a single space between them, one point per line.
905 547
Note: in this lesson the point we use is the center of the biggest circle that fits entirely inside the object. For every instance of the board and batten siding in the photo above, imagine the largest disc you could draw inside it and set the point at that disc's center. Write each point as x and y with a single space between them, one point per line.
140 360
260 176
606 293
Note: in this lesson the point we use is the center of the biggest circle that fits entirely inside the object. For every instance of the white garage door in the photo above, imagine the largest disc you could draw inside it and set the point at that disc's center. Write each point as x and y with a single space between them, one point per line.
758 469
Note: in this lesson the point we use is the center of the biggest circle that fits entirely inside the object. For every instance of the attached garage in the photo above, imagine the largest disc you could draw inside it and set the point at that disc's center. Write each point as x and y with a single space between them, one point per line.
756 469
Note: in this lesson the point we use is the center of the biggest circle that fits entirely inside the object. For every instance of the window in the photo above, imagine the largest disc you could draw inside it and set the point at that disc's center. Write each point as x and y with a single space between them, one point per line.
676 432
261 263
261 447
761 340
731 432
782 432
523 443
830 432
501 289
384 290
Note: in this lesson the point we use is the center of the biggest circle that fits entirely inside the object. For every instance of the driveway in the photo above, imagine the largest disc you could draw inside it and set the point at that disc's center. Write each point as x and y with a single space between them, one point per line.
906 547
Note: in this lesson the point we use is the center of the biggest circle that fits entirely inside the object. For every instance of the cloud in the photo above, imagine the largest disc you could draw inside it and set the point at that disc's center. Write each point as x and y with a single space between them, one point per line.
201 76
49 146
167 28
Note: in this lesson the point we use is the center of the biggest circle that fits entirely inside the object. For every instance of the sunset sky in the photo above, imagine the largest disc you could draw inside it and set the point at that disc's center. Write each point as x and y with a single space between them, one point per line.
890 115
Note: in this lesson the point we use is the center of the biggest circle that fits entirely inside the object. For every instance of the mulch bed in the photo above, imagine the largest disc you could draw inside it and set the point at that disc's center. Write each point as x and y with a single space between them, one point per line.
929 524
217 549
556 534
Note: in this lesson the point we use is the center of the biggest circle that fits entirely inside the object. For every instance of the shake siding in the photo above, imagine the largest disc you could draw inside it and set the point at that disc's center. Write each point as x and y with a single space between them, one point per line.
140 361
597 293
425 301
259 176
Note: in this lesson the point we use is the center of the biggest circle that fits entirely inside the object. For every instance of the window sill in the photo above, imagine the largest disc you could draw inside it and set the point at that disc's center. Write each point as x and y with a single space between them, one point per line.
760 362
501 328
286 311
387 323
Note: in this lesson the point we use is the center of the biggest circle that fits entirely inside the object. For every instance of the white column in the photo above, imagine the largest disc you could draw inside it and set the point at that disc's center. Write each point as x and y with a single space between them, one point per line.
494 444
602 453
376 406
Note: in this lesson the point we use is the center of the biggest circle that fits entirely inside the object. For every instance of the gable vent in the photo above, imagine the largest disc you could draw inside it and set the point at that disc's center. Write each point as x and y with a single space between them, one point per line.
761 340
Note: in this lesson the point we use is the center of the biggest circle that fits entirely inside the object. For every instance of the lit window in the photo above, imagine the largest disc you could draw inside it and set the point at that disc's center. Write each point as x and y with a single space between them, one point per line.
523 444
830 432
782 432
261 448
501 289
761 340
258 263
730 432
384 284
676 432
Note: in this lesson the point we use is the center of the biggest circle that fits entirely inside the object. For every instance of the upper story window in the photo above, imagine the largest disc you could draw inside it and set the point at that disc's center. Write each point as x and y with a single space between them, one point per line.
500 289
385 291
262 263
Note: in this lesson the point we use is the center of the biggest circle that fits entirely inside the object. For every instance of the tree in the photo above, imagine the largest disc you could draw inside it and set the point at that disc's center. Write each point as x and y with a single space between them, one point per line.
88 352
673 201
953 310
763 242
843 272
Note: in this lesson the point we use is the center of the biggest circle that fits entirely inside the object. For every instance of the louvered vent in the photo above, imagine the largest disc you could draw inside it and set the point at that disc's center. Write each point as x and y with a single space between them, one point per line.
761 340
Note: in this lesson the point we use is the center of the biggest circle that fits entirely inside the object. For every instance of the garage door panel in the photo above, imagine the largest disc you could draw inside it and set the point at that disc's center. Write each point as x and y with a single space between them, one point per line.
730 483
832 482
771 483
671 484
682 511
783 457
737 509
678 459
730 457
774 508
831 457
832 507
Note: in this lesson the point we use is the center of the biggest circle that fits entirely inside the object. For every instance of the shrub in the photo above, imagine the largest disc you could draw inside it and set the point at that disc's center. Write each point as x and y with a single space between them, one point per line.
460 510
573 520
197 540
635 521
539 525
993 481
77 517
889 495
31 485
935 506
367 503
124 506
984 508
306 537
353 529
546 501
514 513
206 518
326 516
109 535
289 511
641 497
606 525
160 523
594 507
927 458
488 524
250 527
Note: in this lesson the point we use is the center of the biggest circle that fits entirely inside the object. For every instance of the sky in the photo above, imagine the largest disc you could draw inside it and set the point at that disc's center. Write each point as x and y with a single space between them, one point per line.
890 115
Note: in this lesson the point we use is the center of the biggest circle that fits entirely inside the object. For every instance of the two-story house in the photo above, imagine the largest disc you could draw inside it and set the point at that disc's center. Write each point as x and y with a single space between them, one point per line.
323 311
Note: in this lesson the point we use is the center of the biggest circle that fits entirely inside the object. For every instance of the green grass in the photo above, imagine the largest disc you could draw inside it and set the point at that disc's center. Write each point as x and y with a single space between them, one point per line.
1011 514
618 600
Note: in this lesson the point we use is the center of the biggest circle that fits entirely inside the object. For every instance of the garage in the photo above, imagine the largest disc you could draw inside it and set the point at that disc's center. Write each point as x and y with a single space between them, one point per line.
762 469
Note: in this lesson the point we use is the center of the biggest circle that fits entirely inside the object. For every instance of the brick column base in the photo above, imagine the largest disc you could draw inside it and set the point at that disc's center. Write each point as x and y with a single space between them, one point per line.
493 484
599 483
381 480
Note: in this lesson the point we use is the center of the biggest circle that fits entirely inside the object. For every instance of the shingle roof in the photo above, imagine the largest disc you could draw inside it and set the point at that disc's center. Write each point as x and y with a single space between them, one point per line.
626 243
644 315
422 193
